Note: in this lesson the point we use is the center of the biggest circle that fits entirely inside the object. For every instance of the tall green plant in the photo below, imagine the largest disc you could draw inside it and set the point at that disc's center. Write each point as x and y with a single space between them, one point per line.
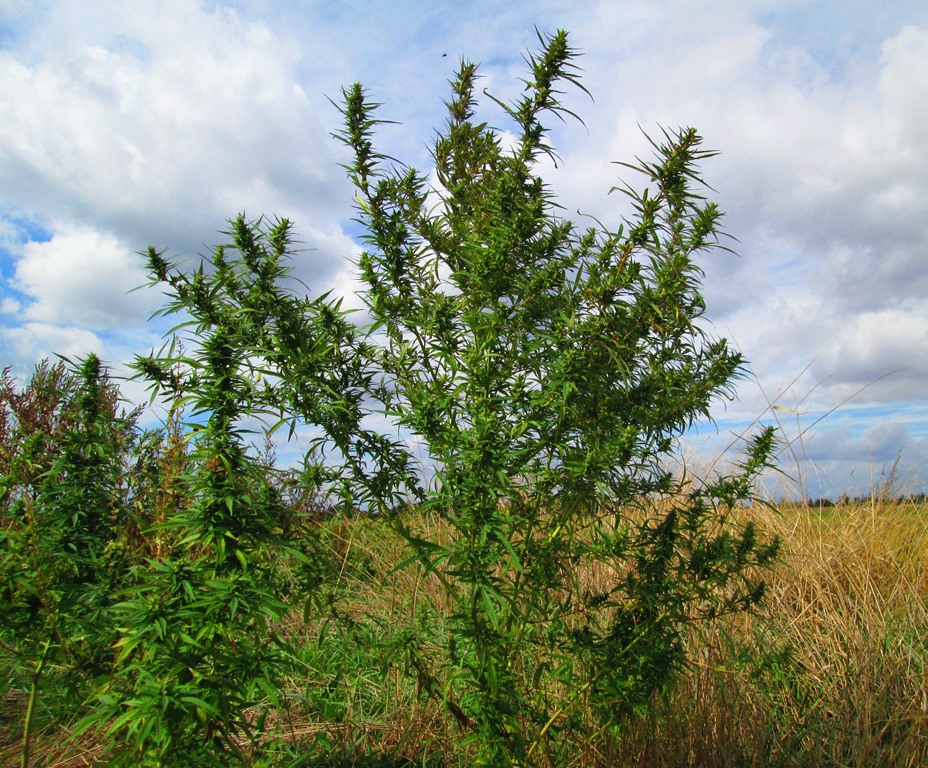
549 370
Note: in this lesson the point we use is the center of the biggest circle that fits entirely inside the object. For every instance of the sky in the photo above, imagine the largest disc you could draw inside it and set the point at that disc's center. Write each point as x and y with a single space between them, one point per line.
129 124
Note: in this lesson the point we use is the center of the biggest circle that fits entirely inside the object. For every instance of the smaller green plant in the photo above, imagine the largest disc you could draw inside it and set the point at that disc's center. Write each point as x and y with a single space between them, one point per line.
62 545
200 652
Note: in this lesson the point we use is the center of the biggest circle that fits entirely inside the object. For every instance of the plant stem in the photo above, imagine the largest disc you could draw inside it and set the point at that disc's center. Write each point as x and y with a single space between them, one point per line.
30 707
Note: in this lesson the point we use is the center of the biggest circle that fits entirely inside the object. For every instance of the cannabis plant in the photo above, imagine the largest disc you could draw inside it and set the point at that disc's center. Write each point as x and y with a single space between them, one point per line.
201 652
549 370
196 645
545 369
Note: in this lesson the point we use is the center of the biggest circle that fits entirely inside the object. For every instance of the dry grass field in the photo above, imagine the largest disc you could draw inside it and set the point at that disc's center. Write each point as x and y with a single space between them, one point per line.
832 672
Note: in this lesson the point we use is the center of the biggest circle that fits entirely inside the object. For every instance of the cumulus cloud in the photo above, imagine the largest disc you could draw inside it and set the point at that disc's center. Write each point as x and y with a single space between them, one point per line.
884 457
30 343
822 174
82 278
881 442
891 343
134 120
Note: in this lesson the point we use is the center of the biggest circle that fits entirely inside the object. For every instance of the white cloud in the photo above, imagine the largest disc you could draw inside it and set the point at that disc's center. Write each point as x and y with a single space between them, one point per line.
30 343
135 119
81 278
903 86
884 456
871 345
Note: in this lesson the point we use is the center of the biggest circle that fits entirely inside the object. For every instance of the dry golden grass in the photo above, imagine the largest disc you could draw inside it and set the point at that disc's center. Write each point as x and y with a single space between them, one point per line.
833 670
